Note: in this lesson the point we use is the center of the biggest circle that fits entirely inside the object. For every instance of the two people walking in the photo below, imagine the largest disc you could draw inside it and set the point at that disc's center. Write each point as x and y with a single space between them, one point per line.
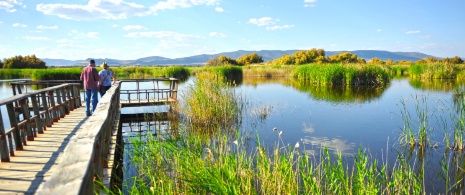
95 82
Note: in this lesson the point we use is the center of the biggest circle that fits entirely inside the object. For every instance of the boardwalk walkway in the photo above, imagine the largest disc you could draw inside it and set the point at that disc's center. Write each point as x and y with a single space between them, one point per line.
76 153
32 166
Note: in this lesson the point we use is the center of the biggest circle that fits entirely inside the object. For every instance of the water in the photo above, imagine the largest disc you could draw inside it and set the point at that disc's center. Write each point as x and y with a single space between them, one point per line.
342 119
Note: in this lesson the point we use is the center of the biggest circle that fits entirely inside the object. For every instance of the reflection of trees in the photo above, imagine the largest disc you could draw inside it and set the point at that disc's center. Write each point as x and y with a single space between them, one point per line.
340 93
435 85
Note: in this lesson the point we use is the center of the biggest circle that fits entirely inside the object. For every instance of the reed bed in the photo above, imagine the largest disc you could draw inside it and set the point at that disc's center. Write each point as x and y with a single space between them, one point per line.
15 73
268 71
211 103
56 74
342 74
433 71
225 162
192 164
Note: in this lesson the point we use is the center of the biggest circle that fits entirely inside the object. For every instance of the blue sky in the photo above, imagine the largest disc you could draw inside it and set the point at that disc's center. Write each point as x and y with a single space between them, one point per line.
130 29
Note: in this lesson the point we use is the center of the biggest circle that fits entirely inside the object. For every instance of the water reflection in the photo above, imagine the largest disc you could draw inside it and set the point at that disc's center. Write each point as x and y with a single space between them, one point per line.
444 85
335 94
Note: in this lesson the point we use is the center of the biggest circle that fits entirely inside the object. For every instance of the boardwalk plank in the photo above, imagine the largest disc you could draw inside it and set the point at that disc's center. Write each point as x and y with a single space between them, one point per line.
31 167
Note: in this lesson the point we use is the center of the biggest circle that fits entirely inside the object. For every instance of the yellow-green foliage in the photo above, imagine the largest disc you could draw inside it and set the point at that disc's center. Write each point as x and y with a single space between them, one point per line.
57 74
248 59
211 103
15 73
267 71
433 71
23 62
340 74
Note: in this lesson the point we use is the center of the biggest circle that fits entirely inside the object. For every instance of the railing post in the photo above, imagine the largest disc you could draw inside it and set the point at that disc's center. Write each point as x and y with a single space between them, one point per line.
38 120
27 118
45 107
64 101
61 108
3 142
53 109
14 124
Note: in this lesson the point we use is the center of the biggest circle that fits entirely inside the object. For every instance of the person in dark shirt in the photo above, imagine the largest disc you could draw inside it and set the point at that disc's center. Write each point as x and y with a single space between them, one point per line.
90 79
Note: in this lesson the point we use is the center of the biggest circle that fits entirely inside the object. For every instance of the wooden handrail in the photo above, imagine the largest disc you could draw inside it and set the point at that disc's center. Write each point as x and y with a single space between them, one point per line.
47 105
85 157
156 93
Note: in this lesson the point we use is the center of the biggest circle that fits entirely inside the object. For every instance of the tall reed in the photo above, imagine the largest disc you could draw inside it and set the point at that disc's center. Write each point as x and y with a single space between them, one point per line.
342 74
210 103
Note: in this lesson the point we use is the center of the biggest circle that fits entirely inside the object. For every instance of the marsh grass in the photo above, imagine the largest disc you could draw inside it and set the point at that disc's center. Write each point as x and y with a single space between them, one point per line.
433 71
211 103
342 74
56 74
15 73
268 71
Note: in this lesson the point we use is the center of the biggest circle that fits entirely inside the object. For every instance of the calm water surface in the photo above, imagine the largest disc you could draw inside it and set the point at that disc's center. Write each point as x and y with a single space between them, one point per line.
342 119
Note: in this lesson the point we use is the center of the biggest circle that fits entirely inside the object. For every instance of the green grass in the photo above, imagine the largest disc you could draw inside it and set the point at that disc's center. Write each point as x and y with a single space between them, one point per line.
210 103
15 73
342 74
433 71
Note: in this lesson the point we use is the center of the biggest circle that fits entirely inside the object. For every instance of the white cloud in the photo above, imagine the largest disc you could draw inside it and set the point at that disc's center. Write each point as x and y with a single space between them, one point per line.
134 27
115 25
9 5
269 23
32 38
92 34
164 35
19 25
279 27
94 9
1 22
413 32
47 27
378 30
219 9
264 21
309 3
174 4
216 34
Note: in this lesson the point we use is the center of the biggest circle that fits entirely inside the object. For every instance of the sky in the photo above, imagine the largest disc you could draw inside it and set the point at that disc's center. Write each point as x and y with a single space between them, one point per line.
132 29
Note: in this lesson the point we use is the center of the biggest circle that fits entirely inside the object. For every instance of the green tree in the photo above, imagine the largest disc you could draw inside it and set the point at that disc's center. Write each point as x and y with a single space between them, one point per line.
23 62
220 61
249 59
454 60
1 64
376 60
286 59
344 57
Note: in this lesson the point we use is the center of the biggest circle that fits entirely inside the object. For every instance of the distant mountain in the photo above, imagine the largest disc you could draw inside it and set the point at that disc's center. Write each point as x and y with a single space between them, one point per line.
201 59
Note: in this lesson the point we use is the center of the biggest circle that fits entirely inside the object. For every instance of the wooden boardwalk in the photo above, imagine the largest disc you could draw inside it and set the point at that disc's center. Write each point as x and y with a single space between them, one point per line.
31 167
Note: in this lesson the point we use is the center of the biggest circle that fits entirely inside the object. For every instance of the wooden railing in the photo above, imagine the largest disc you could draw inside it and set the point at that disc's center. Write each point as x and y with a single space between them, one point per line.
156 93
47 105
86 155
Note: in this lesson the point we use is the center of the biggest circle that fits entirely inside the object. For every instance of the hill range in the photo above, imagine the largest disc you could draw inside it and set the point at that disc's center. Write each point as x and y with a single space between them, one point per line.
201 59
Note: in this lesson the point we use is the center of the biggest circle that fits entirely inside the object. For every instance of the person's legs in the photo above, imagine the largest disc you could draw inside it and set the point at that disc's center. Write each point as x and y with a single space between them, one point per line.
104 90
88 93
94 98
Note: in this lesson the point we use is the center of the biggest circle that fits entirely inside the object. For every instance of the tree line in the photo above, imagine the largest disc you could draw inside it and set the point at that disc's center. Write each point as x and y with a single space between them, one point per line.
318 56
19 62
